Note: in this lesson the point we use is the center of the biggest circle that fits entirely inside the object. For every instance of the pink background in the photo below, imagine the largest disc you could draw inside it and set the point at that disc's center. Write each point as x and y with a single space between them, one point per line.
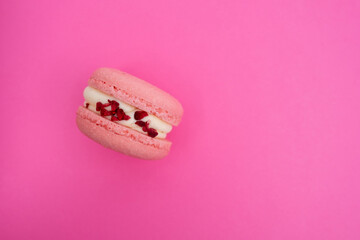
268 147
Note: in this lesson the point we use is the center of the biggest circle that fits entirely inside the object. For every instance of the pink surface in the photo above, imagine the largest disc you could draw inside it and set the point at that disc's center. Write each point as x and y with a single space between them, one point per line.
269 143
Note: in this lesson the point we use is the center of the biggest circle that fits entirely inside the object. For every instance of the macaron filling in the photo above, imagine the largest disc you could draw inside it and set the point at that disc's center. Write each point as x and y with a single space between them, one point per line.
125 114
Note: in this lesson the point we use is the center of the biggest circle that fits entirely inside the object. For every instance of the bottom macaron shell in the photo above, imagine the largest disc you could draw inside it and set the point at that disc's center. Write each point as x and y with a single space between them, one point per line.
120 138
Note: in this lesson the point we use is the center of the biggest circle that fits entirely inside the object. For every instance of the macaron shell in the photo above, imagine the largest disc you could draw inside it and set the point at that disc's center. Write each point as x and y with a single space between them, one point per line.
120 138
137 93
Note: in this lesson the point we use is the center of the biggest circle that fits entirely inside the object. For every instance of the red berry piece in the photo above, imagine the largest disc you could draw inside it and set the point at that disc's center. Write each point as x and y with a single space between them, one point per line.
140 123
114 105
152 132
140 115
113 118
98 106
87 105
120 113
104 112
144 125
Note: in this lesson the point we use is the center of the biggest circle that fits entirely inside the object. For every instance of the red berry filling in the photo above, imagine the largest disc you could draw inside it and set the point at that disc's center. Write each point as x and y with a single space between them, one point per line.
140 115
87 105
145 127
116 113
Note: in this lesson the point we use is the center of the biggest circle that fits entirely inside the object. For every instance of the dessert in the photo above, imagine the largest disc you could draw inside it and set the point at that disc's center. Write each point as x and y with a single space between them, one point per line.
127 114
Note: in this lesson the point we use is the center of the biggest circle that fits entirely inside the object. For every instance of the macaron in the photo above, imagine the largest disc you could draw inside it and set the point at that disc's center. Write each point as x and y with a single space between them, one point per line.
127 114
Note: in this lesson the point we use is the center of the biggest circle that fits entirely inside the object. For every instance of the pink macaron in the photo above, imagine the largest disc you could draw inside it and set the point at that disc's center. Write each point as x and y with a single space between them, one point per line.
127 114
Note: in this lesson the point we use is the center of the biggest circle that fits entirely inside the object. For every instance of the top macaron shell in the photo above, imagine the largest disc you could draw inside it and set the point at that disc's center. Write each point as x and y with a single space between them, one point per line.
137 93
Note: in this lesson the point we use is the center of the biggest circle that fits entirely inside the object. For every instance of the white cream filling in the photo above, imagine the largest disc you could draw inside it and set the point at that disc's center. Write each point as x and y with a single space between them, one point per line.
92 96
